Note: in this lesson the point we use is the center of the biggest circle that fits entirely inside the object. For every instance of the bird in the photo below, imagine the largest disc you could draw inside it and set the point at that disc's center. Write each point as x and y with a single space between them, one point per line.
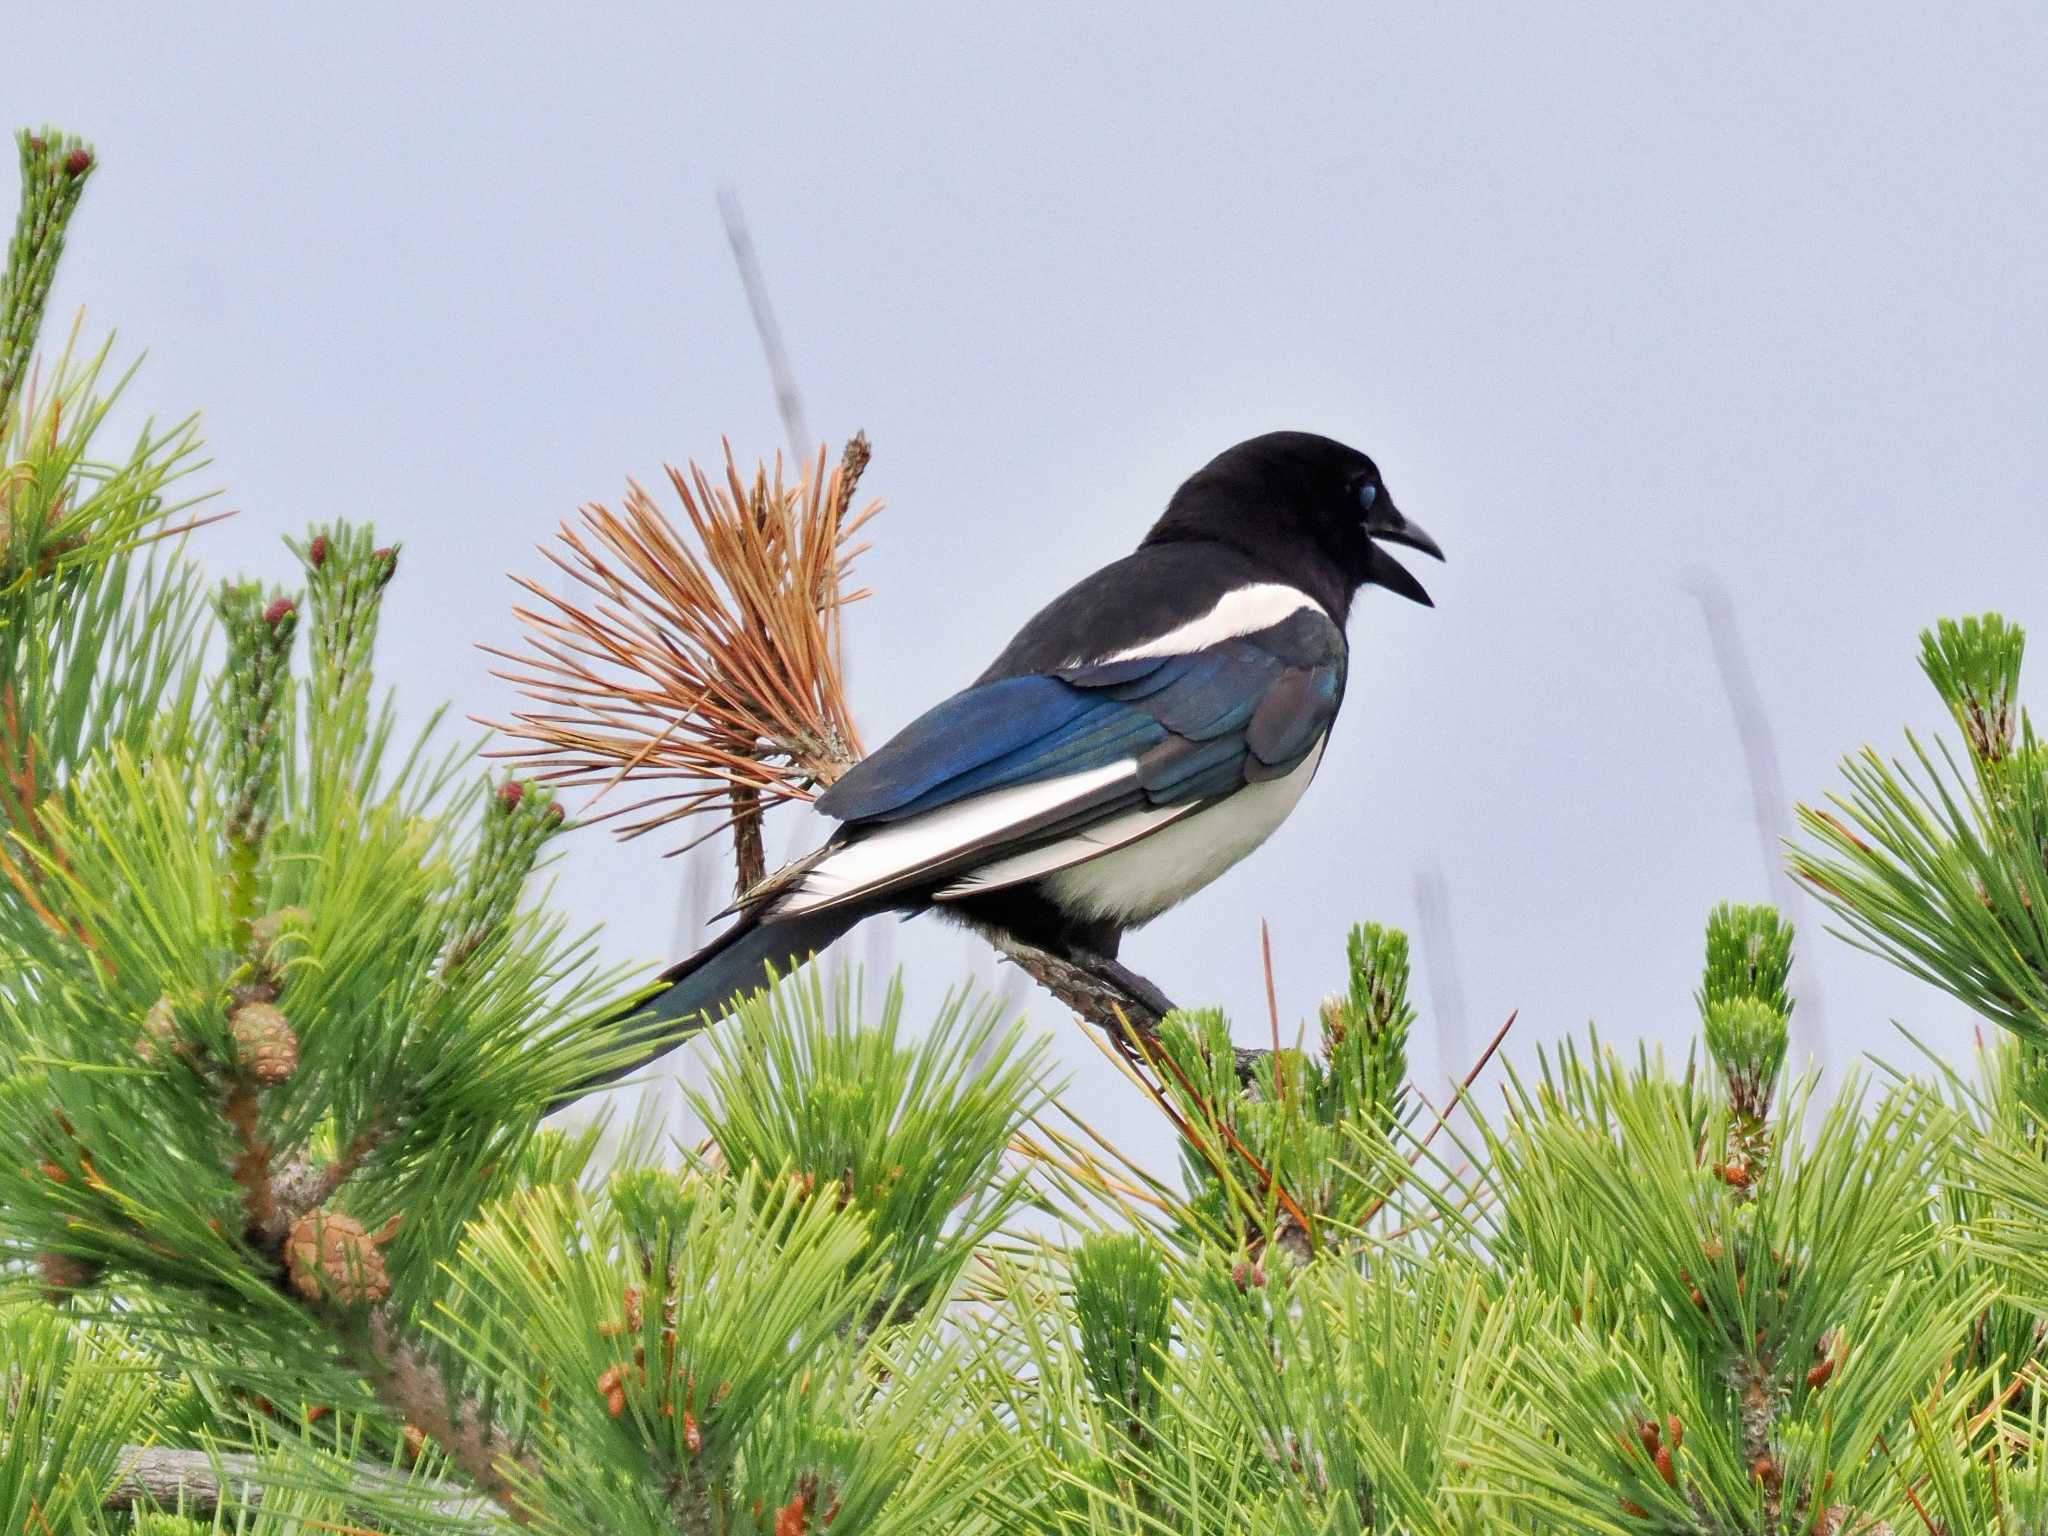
1142 733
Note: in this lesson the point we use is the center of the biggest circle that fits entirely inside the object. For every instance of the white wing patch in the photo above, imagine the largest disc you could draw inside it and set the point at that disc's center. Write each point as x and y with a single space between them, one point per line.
897 854
1243 611
1091 842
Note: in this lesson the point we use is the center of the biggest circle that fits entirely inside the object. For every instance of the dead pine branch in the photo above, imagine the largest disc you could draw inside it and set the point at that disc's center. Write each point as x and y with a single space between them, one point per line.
706 665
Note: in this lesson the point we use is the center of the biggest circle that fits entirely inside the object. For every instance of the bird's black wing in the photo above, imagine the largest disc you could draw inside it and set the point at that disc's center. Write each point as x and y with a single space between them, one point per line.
1063 765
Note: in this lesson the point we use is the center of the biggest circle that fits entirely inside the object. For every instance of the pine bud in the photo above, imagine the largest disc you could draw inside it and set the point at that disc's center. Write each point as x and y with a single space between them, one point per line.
386 564
1974 664
794 1518
265 1046
1365 1029
1124 1311
159 1037
1749 955
1336 1018
267 930
316 552
1747 1038
257 676
330 1256
78 162
510 793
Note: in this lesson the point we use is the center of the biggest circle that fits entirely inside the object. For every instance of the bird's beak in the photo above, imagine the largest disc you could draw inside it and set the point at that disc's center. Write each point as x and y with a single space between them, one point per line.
1387 523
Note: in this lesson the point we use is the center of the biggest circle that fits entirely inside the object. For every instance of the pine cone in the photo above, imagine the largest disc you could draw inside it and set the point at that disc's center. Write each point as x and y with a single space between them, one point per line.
264 1043
266 930
64 1273
159 1033
332 1257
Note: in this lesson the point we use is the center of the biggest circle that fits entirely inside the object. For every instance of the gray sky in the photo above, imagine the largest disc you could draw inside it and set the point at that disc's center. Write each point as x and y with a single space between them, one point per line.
1610 291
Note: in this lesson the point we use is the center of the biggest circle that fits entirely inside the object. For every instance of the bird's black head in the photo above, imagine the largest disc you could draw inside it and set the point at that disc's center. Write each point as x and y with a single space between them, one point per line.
1309 507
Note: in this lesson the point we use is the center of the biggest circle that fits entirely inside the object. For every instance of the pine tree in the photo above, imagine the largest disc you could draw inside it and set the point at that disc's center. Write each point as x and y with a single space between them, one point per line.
285 1246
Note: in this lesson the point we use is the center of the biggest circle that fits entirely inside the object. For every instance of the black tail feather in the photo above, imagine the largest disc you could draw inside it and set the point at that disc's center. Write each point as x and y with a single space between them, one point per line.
702 989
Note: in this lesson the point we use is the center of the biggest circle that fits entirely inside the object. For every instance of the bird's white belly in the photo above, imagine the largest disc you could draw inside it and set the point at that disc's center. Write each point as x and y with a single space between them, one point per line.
1134 884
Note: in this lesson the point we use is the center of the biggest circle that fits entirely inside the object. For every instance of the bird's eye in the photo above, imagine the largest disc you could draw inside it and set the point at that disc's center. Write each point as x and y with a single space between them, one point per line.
1368 493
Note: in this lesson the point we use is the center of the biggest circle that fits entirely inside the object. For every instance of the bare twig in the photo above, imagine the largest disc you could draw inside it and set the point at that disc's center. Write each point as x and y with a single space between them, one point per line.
1446 980
200 1482
1272 1004
1443 1116
1465 1087
788 402
750 855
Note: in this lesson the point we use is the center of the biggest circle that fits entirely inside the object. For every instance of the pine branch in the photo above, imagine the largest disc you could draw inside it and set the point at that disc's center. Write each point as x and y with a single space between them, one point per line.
243 1111
201 1483
302 1185
414 1388
375 1344
1104 993
750 854
54 169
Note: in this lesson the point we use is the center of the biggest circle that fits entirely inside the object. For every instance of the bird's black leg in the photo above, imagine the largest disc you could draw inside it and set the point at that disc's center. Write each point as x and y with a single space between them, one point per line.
1128 981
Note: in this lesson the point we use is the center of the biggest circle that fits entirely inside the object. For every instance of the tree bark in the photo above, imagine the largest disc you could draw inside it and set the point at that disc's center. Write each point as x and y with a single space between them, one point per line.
199 1482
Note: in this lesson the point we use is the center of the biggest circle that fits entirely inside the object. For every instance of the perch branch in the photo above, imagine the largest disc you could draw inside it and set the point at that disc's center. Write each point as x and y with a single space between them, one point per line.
1102 993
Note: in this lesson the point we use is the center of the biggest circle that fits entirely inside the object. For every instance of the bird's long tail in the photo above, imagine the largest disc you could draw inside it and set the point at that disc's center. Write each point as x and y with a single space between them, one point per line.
701 989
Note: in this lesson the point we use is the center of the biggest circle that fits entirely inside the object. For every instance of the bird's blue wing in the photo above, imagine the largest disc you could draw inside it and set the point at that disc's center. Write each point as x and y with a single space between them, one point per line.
1197 725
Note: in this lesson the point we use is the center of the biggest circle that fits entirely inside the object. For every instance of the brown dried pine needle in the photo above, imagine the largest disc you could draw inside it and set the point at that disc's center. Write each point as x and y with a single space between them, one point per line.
710 669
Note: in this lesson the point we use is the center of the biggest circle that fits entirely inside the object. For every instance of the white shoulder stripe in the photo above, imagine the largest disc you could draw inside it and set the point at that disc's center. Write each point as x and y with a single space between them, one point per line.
897 855
1243 611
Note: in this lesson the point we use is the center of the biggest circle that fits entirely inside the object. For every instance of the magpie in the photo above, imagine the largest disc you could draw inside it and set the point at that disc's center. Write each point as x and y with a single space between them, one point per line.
1144 732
